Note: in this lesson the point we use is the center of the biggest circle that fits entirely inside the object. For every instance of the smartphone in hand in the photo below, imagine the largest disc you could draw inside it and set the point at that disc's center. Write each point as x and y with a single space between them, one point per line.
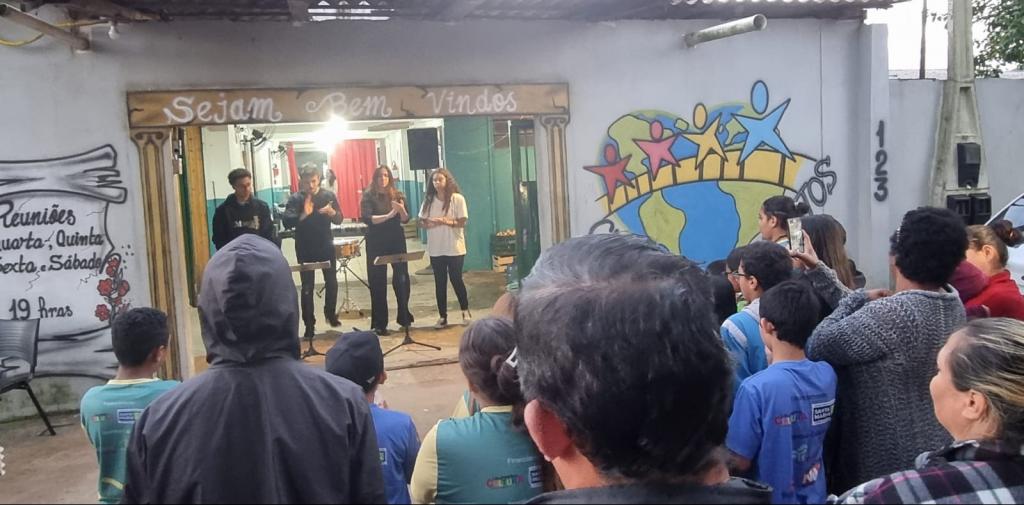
796 234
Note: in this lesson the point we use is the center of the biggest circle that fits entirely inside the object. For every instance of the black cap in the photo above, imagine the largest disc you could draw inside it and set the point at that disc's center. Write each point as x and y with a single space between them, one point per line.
357 357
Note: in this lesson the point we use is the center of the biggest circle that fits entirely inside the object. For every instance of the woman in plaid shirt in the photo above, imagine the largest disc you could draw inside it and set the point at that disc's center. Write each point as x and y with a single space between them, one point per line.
978 394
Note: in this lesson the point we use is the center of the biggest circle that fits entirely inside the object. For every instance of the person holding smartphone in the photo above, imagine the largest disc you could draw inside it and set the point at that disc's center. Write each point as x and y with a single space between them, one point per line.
383 210
774 215
311 211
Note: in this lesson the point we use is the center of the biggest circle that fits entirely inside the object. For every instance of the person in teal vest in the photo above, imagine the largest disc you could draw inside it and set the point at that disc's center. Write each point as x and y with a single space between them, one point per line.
487 457
108 412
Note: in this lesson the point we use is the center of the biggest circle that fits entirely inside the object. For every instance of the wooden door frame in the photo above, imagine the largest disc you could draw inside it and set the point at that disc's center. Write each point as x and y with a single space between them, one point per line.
153 115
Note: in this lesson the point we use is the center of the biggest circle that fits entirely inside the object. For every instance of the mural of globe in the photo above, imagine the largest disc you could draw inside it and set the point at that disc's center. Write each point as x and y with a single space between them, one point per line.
696 185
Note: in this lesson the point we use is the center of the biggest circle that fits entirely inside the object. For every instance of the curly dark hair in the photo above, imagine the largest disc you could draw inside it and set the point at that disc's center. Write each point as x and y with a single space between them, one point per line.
236 174
928 245
618 339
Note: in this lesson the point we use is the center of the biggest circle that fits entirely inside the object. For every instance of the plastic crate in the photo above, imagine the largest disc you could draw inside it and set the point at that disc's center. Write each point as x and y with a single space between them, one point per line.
503 246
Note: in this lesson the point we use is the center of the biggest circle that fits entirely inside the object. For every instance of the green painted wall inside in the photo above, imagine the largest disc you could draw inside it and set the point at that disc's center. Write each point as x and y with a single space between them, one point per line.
467 154
504 193
485 179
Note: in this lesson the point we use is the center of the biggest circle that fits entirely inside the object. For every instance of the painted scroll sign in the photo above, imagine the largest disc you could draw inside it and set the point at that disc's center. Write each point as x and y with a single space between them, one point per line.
57 261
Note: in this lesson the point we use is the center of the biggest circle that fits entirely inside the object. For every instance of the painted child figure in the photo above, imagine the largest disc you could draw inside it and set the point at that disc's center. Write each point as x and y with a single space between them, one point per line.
108 412
781 414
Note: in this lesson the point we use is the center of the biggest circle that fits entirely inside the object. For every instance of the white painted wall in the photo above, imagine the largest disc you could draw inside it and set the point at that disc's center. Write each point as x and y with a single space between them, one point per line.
217 161
62 102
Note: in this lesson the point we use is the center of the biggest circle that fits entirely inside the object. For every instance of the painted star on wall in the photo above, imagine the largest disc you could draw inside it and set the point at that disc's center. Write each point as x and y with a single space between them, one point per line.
658 150
764 131
614 173
707 142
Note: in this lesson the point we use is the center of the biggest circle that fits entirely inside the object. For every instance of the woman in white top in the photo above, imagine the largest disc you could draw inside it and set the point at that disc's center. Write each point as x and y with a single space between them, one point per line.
444 215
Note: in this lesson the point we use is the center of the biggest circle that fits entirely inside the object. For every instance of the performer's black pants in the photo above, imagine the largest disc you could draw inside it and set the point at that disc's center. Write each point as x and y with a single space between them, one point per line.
377 278
308 278
448 268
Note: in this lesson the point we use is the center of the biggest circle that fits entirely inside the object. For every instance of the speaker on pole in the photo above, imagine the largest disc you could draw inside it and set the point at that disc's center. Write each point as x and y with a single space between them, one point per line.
423 149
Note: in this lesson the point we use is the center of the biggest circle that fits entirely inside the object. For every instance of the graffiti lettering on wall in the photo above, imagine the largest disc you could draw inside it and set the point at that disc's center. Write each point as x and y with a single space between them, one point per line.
57 261
695 184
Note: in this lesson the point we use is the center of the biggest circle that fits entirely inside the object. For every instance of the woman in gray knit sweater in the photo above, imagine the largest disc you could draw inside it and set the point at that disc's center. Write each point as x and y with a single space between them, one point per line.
883 348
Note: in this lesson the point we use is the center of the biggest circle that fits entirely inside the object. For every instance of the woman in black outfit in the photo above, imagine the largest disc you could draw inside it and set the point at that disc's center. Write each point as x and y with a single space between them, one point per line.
383 210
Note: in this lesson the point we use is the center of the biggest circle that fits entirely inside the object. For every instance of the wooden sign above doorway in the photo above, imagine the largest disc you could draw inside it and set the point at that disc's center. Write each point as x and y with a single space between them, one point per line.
248 106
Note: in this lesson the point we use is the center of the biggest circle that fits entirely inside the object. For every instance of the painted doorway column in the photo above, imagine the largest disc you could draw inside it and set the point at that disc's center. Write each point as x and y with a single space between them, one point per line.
554 127
154 155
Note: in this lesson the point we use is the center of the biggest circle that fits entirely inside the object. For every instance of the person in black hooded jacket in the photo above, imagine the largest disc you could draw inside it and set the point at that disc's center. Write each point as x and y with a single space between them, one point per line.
258 426
242 213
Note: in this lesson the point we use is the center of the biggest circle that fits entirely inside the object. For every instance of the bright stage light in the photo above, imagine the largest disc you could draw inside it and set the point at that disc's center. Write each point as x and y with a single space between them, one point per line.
333 133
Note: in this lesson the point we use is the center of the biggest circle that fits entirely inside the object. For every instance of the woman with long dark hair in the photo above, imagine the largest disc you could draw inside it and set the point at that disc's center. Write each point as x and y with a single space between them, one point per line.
383 210
829 239
444 215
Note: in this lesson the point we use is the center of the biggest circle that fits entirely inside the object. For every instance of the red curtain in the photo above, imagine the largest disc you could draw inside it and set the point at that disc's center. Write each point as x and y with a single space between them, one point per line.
353 162
293 170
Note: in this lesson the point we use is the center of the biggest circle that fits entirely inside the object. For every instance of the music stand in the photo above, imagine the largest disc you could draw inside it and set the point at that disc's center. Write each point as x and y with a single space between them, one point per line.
391 259
304 267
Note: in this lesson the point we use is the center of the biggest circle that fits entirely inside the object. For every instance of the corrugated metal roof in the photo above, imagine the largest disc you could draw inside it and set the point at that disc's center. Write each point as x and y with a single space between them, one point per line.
577 10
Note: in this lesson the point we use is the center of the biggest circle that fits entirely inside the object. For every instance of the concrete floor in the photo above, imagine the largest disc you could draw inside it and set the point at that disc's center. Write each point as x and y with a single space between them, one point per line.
62 469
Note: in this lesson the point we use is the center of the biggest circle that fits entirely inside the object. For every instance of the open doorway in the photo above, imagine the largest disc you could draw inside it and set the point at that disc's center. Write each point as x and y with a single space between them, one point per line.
493 160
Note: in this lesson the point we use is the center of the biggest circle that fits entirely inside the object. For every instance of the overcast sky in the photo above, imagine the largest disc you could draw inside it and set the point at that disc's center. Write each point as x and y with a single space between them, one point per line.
904 20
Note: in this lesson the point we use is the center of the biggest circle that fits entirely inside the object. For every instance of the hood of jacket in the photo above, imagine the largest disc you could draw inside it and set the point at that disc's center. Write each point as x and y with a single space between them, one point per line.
248 305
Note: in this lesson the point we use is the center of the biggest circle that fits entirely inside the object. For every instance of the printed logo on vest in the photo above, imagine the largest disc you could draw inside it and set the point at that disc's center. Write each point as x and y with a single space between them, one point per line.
821 413
383 453
505 482
536 477
128 416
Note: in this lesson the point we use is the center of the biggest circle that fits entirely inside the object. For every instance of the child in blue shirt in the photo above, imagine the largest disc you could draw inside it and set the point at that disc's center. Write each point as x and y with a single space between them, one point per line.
108 412
357 357
781 414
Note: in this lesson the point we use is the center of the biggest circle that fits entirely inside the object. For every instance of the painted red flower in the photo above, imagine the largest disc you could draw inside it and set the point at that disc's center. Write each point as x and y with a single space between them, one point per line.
112 265
106 287
102 312
116 301
123 288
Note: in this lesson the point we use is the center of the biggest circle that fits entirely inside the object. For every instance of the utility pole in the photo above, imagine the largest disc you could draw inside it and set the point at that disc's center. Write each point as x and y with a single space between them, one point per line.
924 38
958 170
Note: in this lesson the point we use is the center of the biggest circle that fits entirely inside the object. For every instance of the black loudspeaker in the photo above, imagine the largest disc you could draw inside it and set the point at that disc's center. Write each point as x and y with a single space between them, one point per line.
961 205
981 208
968 164
423 147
